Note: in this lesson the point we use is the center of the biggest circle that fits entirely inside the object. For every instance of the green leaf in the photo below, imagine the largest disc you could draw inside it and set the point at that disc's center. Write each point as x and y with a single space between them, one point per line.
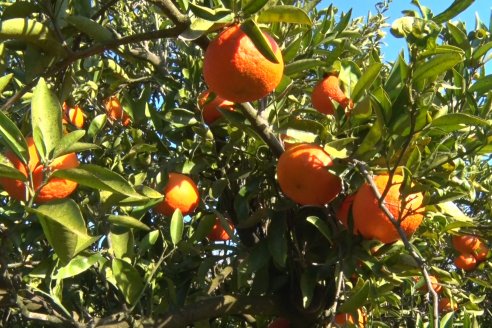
357 299
127 221
5 80
478 53
208 13
205 226
456 7
77 265
177 227
12 137
98 177
90 28
482 85
285 14
32 32
413 162
7 171
64 227
370 140
148 241
46 118
436 66
66 142
456 121
277 241
253 6
321 225
196 29
366 80
96 125
19 9
260 41
302 65
308 284
122 242
128 280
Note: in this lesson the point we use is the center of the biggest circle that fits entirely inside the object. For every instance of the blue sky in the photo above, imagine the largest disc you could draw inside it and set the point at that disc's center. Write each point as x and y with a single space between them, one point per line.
394 46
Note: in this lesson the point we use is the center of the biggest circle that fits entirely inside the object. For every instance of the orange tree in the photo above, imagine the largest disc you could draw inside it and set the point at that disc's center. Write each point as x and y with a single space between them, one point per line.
102 255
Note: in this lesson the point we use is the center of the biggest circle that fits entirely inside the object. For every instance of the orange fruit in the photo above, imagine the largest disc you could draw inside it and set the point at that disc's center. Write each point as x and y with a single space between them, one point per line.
435 284
343 211
465 243
466 262
327 90
279 323
209 106
55 188
115 111
445 305
180 192
74 115
372 223
218 232
481 253
302 173
235 70
350 320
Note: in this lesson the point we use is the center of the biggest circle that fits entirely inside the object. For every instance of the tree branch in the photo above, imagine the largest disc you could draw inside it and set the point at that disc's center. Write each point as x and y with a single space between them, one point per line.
219 306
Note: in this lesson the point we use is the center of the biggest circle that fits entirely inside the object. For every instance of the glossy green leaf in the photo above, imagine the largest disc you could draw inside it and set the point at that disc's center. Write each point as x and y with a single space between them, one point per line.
46 118
253 6
357 299
128 280
285 14
148 241
456 121
96 125
19 9
482 85
370 140
177 227
122 242
452 11
482 50
90 28
7 171
77 265
208 13
204 227
12 137
413 162
66 142
260 41
128 221
197 28
5 80
302 65
321 225
436 66
366 80
98 177
64 227
32 32
443 49
308 284
277 241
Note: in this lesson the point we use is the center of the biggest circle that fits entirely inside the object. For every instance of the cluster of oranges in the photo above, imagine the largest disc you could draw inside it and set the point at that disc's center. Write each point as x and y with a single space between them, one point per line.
472 251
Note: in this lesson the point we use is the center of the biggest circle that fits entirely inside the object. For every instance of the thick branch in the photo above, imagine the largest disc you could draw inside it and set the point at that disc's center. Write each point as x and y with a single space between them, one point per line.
261 126
217 307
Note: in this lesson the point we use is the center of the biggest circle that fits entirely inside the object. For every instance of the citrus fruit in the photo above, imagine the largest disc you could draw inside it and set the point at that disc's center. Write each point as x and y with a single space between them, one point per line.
481 253
74 115
350 320
466 262
115 111
435 284
209 106
303 176
279 323
465 243
218 232
327 90
370 220
343 211
445 305
180 192
235 69
55 188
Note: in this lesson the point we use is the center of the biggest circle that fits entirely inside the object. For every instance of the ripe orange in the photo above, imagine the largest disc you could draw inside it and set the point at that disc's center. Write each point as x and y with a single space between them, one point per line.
115 112
302 173
466 262
445 305
372 223
350 320
235 70
218 232
279 323
327 90
209 106
435 284
56 188
343 211
74 115
466 243
481 253
180 192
